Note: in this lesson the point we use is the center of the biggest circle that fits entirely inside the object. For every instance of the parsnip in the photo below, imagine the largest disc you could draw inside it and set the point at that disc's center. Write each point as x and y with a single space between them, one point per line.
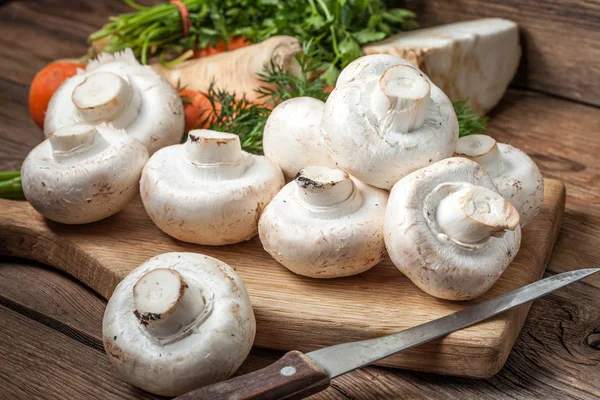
472 61
235 71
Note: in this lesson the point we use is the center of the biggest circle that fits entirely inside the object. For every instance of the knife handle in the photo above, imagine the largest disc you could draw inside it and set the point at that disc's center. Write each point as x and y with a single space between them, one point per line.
293 376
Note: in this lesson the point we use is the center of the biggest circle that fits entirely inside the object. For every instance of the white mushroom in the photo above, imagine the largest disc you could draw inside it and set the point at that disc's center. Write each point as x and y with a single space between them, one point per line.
472 60
516 176
292 136
83 173
449 230
208 191
386 119
117 89
178 322
325 225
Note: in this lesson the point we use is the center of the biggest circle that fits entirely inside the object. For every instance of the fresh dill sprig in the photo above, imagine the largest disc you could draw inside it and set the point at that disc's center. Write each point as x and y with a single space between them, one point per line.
282 85
469 123
240 116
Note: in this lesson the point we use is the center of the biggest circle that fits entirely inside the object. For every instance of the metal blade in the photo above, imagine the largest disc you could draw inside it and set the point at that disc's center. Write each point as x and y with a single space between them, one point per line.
343 358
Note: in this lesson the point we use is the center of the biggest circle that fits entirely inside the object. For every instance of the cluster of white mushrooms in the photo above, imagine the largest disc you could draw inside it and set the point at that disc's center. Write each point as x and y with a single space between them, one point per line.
452 222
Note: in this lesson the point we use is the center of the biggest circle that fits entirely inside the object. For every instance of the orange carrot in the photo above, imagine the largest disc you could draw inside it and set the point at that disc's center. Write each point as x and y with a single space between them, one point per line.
235 42
196 108
45 84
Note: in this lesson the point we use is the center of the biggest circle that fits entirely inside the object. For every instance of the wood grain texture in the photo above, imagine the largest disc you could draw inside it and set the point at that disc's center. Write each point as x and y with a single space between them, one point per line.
31 354
560 39
353 308
561 136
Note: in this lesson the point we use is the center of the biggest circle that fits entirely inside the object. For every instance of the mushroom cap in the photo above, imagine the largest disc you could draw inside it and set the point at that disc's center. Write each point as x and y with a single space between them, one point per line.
89 183
292 136
519 179
363 145
190 206
141 102
205 352
325 241
432 261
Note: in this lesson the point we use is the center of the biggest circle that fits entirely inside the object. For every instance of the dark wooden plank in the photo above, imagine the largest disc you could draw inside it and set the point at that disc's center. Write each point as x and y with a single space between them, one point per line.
36 361
561 39
40 290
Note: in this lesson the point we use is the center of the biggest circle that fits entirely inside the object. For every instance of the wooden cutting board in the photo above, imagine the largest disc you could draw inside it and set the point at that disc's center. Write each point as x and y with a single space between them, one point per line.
293 312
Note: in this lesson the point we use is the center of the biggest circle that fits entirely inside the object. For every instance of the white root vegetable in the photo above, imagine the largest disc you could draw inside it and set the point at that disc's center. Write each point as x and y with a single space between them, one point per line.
473 60
448 229
325 224
516 176
235 71
83 173
385 119
117 89
178 322
292 136
208 191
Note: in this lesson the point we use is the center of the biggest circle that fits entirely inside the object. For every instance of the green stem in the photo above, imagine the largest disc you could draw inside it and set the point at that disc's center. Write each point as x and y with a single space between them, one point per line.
6 175
11 189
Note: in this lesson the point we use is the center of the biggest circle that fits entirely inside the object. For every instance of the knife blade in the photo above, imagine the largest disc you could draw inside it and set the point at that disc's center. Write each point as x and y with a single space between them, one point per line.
298 375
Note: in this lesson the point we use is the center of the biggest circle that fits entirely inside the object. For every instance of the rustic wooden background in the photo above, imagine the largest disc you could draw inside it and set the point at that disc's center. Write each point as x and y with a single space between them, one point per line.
50 326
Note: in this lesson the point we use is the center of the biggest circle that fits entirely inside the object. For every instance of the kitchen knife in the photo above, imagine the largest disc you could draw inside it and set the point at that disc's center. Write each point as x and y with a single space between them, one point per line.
297 375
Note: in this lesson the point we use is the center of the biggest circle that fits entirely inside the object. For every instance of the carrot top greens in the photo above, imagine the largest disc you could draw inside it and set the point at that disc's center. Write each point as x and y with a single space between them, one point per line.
339 27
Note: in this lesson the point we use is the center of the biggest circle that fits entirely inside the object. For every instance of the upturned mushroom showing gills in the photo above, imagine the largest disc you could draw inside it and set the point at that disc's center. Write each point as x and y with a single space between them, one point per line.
516 176
117 89
448 229
386 119
207 190
292 136
325 224
83 173
178 322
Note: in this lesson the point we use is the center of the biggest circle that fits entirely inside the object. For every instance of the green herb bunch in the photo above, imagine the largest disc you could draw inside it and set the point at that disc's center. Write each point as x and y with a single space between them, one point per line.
469 123
339 27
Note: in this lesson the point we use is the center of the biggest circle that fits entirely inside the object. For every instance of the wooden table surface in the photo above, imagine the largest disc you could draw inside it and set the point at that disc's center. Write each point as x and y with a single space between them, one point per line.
50 325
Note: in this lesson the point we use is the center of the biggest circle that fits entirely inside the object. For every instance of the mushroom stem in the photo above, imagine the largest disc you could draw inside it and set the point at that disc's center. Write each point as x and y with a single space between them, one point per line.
326 187
102 96
482 149
164 304
216 155
474 213
401 98
72 138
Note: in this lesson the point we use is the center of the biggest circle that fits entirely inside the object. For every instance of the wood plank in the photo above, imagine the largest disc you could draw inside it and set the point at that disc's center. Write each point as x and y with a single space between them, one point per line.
101 254
559 324
36 360
560 39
